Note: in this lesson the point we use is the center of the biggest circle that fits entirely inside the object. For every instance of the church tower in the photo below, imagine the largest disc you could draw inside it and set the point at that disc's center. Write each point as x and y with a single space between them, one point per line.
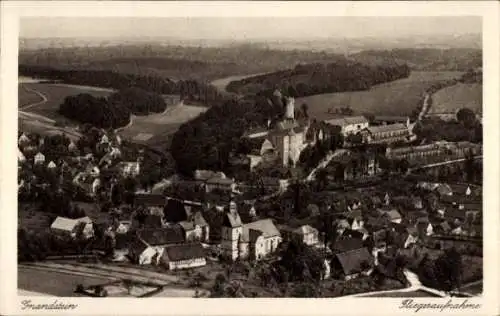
290 109
231 231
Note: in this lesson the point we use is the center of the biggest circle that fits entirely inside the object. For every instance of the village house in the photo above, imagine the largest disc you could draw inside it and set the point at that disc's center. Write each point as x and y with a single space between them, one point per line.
305 234
183 256
20 156
351 264
130 168
39 159
349 125
391 215
23 140
73 228
149 244
153 203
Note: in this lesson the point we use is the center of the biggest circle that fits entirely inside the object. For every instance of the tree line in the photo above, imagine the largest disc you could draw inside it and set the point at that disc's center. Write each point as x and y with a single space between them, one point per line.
319 78
189 90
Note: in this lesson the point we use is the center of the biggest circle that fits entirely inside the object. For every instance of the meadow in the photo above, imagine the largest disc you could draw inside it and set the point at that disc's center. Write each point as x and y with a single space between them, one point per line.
52 282
155 129
458 96
399 98
55 94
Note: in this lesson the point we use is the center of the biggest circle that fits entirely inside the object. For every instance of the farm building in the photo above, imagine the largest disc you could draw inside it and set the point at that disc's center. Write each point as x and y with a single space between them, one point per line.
148 245
73 227
183 256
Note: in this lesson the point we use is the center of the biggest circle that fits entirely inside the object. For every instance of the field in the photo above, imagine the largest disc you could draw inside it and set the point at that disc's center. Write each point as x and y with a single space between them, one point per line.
400 97
54 94
222 83
54 283
154 130
458 96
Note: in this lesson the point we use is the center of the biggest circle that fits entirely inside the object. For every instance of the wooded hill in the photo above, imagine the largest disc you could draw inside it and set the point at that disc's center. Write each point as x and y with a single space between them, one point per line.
427 59
318 78
113 111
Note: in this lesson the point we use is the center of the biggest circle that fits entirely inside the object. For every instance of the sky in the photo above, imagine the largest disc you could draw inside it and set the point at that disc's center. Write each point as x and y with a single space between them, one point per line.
247 28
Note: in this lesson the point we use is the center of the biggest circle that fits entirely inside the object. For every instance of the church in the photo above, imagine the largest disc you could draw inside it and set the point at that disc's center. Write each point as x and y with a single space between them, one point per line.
284 139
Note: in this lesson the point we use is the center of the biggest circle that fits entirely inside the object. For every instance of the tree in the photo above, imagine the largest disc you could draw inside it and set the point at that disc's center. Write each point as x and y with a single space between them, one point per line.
305 108
321 178
219 285
466 117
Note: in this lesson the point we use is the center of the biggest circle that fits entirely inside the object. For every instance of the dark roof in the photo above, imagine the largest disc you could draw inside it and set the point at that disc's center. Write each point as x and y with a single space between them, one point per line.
162 236
386 128
136 246
185 252
149 199
152 221
347 244
351 261
175 211
123 241
353 234
454 213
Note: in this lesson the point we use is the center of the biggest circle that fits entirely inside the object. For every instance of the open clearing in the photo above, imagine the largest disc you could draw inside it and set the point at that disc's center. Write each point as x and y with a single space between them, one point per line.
55 94
399 97
222 83
458 96
155 129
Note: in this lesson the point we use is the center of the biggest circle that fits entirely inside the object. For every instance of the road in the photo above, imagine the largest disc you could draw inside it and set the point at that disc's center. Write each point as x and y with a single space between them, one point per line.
41 95
441 163
415 285
323 163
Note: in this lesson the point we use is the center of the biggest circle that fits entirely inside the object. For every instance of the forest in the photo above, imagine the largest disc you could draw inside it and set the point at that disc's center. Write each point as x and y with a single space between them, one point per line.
207 141
189 90
114 111
319 78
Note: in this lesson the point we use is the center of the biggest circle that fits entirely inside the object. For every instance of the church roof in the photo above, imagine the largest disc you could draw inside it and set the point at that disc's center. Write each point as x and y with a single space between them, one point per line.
264 227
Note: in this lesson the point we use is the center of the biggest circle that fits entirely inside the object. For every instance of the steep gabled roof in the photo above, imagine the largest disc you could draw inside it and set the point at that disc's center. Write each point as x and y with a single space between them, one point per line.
146 199
347 244
185 252
162 236
351 261
64 223
265 226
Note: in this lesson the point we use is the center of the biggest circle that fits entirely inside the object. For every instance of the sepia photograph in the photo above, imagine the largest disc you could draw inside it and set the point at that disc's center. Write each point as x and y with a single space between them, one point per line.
250 157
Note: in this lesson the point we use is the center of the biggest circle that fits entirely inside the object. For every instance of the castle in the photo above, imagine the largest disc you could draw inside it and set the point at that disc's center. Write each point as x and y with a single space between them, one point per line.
285 139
